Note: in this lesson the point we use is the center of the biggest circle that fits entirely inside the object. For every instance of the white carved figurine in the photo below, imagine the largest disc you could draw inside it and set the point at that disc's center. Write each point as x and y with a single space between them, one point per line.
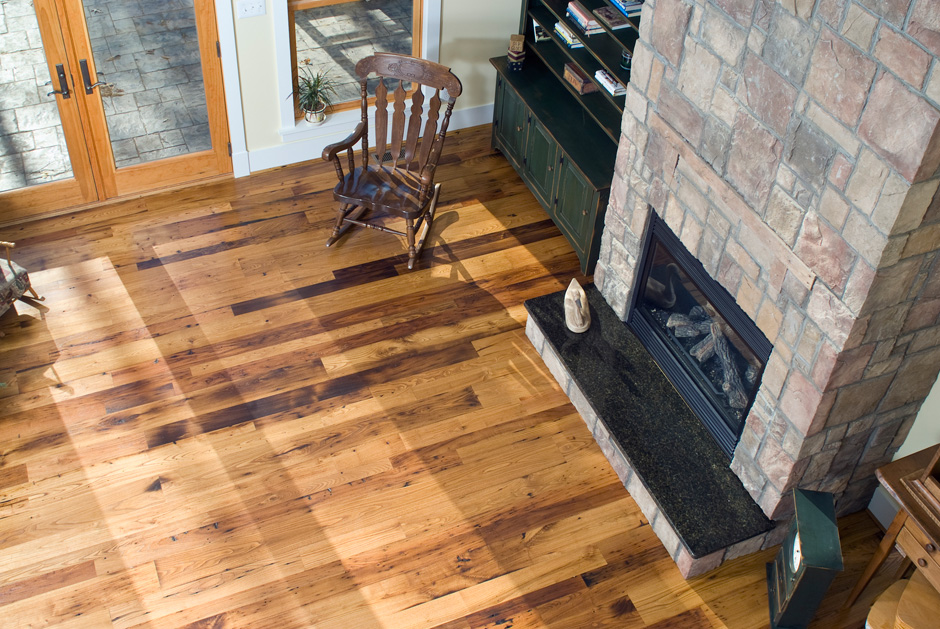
577 314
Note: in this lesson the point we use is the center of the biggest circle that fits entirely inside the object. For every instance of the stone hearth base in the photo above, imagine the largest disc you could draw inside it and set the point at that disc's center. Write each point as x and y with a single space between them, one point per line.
657 447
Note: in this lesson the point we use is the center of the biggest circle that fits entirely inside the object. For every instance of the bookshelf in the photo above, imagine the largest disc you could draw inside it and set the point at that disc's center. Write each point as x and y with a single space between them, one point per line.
564 143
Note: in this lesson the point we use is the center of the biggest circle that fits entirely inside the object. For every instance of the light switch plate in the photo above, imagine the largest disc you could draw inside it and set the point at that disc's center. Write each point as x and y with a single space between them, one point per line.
250 8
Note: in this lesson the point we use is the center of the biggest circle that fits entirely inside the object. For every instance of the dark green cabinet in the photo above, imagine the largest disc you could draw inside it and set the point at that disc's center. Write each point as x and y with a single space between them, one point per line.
510 112
538 165
563 144
574 200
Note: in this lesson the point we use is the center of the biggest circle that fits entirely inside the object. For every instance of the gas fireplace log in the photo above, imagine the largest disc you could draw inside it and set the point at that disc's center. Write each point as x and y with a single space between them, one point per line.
683 327
732 386
704 349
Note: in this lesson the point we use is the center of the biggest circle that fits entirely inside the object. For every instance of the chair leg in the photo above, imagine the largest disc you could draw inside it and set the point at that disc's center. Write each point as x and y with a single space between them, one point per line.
425 224
344 211
410 235
32 291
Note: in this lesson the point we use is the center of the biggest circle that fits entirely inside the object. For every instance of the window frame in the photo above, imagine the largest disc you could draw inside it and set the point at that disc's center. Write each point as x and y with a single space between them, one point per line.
427 14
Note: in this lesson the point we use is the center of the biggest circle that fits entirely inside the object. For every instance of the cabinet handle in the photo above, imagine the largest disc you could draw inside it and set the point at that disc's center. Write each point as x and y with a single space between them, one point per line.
931 548
519 129
583 212
550 168
922 562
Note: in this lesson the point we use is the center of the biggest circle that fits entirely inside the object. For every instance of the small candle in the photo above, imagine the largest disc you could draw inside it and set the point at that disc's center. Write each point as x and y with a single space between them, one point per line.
625 59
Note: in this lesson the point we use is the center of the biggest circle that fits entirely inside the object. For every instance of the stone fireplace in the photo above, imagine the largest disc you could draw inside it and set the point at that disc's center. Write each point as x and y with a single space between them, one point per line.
712 352
793 146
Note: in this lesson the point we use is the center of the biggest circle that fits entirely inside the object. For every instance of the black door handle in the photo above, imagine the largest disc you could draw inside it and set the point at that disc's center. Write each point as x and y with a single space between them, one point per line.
63 83
86 77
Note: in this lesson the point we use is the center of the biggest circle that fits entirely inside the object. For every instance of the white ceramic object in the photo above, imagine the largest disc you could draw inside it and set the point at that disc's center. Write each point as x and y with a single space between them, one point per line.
577 313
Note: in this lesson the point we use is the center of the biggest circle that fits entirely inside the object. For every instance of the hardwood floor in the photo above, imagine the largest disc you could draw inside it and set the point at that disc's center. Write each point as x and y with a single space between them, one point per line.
215 421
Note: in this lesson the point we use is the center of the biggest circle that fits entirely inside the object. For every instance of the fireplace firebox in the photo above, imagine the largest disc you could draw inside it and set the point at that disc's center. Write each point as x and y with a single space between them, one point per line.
707 346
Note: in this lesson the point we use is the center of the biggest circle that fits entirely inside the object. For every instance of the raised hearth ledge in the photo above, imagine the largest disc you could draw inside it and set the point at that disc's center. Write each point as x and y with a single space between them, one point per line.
678 476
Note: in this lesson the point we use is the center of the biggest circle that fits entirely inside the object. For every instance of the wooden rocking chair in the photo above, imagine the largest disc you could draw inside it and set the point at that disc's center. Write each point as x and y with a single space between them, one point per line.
397 176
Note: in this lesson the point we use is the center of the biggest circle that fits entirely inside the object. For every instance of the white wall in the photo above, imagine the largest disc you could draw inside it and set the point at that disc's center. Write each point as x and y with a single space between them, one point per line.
471 33
468 34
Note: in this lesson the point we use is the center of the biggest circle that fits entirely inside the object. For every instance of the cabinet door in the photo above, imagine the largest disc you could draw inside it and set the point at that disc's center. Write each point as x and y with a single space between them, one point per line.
510 122
539 163
574 205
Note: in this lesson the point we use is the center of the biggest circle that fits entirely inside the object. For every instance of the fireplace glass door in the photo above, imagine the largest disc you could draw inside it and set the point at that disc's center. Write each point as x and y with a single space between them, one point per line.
711 351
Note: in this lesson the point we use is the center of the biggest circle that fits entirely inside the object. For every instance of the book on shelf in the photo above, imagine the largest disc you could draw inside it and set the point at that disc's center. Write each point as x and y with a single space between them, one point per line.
539 33
579 13
609 83
583 18
594 30
628 7
611 18
581 82
567 36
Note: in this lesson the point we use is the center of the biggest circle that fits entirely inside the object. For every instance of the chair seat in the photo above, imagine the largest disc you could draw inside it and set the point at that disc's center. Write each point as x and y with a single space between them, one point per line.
393 190
15 282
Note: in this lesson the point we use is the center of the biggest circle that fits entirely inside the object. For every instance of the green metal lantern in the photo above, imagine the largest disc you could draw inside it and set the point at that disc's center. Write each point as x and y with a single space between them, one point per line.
809 559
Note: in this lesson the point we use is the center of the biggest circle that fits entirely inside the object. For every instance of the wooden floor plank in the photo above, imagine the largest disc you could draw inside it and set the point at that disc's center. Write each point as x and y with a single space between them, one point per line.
215 421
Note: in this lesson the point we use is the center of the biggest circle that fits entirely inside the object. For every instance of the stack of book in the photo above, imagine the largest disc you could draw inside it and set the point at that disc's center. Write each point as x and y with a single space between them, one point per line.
567 36
630 8
583 18
578 79
610 84
610 18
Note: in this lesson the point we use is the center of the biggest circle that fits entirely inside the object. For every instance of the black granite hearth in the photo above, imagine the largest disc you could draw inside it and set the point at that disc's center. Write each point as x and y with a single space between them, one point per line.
668 447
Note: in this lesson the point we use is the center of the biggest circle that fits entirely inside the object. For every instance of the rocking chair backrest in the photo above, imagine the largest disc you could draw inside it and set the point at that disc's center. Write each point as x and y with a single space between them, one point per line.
406 146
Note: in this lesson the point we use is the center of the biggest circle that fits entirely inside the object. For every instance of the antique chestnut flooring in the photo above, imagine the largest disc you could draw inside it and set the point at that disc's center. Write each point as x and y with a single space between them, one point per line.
214 421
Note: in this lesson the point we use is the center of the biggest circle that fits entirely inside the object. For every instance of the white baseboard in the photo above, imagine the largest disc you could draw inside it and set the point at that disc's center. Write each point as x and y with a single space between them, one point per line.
240 165
311 148
882 507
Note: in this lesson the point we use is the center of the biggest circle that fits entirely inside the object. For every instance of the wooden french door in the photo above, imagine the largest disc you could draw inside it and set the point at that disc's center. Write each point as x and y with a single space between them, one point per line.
135 101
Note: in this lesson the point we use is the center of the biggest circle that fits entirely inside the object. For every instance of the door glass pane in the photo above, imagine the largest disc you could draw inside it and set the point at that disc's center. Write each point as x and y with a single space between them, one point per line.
335 37
32 144
147 57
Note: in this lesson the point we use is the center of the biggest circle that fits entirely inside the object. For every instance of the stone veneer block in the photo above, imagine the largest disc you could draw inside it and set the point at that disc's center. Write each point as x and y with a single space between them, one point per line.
753 161
925 25
768 94
788 46
859 26
826 253
643 421
740 10
903 128
839 77
902 56
892 10
670 20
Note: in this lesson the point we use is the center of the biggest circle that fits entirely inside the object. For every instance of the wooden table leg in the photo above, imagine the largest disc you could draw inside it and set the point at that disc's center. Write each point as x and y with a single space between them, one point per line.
884 549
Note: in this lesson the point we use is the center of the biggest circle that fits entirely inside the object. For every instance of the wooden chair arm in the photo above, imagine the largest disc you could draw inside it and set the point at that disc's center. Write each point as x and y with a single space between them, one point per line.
331 151
8 246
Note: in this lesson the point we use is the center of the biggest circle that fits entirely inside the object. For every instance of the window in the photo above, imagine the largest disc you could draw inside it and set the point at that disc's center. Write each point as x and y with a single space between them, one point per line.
333 35
425 43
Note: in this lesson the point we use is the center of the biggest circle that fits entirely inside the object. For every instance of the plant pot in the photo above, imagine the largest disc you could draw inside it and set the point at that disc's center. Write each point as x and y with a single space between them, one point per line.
316 117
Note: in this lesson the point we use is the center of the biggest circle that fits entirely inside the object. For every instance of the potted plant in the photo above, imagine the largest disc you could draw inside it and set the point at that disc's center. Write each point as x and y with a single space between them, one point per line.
315 91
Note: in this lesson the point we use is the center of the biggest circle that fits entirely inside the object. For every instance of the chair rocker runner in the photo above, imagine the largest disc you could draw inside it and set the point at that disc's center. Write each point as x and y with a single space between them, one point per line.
397 176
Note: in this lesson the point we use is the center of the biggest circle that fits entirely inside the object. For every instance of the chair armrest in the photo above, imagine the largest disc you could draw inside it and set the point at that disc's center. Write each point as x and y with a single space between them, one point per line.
330 152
